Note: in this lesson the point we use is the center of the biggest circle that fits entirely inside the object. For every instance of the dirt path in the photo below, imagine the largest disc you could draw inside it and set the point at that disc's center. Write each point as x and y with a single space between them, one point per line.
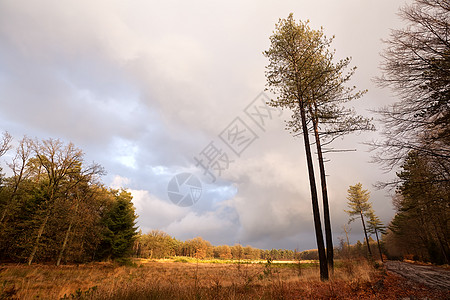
430 276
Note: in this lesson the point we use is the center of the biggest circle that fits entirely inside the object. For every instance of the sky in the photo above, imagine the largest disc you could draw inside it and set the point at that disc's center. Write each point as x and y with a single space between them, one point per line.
153 89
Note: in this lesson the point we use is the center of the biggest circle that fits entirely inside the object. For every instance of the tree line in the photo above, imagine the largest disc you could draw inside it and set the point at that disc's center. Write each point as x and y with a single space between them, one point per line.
157 244
420 228
54 208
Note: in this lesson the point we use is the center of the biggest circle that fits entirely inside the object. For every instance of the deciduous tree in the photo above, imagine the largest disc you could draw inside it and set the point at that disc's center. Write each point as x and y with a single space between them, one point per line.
77 192
58 161
20 172
416 67
5 143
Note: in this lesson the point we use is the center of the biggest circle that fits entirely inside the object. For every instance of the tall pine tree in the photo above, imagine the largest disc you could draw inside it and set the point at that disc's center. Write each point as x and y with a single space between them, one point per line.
358 202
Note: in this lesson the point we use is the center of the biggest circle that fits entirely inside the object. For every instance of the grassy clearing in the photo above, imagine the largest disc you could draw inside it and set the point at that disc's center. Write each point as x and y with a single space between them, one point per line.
167 279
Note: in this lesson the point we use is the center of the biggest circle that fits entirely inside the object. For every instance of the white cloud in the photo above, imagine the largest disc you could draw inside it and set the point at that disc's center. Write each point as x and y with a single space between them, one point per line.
119 182
153 212
124 151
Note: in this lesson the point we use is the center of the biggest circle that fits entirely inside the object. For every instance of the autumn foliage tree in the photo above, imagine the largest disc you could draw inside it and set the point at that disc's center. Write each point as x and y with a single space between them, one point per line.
157 244
223 251
53 205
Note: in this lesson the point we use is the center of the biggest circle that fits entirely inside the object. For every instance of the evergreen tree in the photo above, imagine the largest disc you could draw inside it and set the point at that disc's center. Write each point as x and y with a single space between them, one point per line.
421 222
120 227
296 57
359 207
303 72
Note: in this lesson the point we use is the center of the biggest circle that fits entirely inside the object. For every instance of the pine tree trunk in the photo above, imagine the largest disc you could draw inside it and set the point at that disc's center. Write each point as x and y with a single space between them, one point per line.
315 204
365 233
346 235
323 183
38 237
379 247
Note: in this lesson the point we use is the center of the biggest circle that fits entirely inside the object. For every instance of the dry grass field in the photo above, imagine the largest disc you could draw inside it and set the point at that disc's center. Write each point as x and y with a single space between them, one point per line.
172 279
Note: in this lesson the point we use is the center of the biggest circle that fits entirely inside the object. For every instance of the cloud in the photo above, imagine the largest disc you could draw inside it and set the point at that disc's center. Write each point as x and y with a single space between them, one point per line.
218 227
271 199
119 182
142 87
154 212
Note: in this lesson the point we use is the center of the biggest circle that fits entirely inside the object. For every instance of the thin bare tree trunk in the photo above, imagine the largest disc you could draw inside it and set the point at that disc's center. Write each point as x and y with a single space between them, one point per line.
3 215
346 235
66 238
348 241
38 237
365 233
379 247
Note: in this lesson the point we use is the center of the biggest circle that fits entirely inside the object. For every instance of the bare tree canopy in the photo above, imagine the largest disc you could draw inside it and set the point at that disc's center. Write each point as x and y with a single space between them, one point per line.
5 143
417 68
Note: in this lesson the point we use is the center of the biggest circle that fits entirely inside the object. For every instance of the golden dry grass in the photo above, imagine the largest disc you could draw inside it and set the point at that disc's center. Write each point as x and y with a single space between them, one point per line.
175 280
